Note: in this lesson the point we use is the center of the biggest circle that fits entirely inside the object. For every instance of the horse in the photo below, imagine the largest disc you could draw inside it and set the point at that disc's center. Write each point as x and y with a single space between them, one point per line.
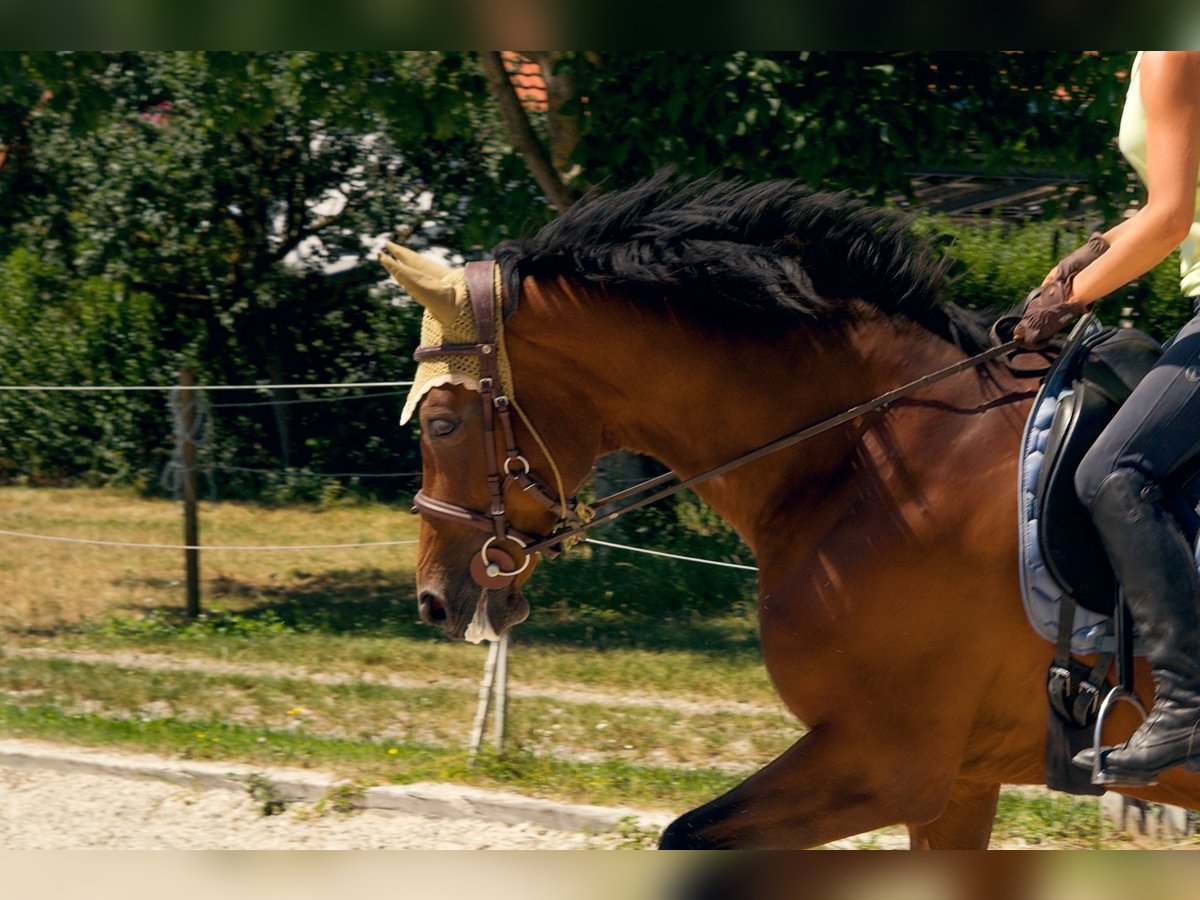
693 322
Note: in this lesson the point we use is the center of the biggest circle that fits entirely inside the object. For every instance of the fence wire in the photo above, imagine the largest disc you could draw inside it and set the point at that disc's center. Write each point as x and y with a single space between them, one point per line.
115 388
199 434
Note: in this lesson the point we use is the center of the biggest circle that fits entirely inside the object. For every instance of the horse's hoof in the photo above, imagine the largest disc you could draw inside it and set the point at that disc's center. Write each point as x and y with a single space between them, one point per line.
677 836
681 835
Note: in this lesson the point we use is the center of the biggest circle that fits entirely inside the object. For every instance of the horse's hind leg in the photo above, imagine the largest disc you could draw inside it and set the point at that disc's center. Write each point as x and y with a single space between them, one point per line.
966 822
836 781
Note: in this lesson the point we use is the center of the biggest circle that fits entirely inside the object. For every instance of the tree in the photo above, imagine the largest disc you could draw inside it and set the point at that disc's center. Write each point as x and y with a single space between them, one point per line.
233 197
866 121
240 191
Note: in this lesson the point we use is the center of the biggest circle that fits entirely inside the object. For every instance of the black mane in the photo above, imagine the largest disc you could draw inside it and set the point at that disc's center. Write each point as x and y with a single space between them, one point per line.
777 248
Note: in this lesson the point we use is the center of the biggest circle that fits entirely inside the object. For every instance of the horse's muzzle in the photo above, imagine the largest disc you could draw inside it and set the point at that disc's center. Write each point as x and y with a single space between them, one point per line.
473 613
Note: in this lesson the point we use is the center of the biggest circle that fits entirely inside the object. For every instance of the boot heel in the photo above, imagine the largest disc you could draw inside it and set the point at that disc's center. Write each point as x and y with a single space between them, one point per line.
1193 764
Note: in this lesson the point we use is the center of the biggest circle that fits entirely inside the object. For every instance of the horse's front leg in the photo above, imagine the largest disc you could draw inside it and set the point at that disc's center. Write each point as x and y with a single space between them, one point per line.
836 781
965 823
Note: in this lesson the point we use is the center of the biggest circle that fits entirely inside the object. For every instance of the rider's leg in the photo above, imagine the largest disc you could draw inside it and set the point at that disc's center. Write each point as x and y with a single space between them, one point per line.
1154 433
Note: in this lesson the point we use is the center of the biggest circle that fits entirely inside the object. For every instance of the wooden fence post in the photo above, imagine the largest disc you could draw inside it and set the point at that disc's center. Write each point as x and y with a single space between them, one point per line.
501 693
191 519
485 694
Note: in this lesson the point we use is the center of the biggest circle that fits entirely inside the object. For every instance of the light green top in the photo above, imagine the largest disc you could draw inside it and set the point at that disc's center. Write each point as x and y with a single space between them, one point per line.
1132 141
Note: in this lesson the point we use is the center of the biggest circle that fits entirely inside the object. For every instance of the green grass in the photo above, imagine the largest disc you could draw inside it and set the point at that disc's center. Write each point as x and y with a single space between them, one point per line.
611 782
670 628
366 711
1057 820
380 635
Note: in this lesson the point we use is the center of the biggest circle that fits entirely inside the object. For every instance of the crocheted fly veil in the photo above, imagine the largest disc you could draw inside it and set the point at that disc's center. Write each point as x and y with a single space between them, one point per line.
448 319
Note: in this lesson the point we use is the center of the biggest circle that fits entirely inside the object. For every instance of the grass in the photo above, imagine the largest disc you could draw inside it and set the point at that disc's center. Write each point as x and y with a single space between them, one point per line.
343 610
48 585
1056 820
365 711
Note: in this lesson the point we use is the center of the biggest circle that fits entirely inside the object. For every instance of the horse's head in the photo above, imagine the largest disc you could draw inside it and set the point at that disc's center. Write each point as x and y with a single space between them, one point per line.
454 557
481 498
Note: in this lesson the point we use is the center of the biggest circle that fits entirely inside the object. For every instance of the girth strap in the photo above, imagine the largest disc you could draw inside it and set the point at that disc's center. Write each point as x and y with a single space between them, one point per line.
1075 700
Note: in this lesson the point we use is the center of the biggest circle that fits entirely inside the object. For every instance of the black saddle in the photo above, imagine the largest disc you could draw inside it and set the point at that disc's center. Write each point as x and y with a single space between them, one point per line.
1098 373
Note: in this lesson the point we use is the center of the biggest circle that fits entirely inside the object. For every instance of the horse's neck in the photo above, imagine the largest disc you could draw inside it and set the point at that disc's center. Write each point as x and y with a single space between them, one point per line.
697 398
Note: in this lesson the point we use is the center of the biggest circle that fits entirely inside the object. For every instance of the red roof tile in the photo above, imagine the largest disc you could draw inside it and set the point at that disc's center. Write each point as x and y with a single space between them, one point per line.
527 80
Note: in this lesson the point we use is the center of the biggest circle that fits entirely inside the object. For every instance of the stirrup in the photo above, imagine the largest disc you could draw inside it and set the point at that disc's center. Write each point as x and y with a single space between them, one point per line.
1101 775
1121 692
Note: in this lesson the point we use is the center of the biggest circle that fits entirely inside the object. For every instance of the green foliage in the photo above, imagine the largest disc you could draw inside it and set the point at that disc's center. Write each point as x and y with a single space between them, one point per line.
859 120
1054 819
91 331
343 799
266 795
160 624
227 196
997 264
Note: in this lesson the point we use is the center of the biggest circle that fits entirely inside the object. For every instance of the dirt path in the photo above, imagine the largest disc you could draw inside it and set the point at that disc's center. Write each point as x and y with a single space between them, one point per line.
160 662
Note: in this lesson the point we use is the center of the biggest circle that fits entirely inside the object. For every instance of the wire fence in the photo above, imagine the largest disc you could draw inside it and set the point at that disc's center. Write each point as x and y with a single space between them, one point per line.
195 432
114 388
192 416
63 539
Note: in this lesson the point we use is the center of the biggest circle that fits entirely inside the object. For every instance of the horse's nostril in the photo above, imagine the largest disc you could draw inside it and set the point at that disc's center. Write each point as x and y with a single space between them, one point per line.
430 607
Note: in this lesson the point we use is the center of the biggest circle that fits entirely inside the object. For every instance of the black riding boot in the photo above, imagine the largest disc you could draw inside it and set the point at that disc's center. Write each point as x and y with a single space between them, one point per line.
1157 573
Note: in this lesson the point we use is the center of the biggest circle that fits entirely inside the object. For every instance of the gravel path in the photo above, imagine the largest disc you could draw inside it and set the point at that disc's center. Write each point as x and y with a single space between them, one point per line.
43 810
54 797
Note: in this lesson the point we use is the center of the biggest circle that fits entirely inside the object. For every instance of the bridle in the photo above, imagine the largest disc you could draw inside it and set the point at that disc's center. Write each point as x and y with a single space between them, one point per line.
507 552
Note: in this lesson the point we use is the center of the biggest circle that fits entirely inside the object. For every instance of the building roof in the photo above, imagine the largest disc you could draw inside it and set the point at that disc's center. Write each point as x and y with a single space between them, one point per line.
527 80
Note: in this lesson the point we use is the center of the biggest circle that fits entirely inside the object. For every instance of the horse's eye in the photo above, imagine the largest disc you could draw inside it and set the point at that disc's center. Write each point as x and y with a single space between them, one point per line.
440 428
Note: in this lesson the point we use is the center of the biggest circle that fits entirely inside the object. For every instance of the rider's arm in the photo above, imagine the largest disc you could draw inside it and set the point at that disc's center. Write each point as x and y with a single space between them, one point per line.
1170 84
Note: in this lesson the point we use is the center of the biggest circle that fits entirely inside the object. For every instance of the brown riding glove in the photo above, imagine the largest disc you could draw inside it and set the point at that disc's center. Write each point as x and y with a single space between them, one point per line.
1049 309
1078 260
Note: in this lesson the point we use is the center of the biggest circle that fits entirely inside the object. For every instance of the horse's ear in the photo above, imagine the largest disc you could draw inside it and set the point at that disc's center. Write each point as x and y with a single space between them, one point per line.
439 289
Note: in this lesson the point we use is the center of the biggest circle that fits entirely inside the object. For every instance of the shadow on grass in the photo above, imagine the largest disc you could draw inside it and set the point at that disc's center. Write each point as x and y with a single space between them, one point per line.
575 603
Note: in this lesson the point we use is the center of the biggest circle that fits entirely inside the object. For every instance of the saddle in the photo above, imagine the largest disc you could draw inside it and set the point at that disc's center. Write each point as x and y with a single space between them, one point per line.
1095 375
1069 588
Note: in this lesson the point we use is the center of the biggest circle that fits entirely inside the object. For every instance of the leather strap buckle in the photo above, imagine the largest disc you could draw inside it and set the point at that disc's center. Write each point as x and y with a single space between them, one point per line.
1060 679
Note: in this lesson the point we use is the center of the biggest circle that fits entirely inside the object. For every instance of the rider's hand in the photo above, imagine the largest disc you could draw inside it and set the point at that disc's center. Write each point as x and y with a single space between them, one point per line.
1048 312
1050 309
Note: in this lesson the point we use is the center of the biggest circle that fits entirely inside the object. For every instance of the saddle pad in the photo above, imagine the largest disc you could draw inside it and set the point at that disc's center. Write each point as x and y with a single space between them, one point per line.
1041 591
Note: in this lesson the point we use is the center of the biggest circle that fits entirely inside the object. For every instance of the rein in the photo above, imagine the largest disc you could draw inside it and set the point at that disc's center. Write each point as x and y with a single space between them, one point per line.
507 552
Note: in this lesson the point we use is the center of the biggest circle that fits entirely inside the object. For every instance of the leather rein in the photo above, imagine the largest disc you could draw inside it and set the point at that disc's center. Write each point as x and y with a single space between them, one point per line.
507 552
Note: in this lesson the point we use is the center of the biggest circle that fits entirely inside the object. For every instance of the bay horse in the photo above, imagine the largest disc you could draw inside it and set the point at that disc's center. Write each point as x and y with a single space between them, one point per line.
693 322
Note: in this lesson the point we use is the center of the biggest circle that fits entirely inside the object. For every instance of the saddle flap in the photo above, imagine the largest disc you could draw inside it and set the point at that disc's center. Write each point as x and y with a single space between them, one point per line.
1094 379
